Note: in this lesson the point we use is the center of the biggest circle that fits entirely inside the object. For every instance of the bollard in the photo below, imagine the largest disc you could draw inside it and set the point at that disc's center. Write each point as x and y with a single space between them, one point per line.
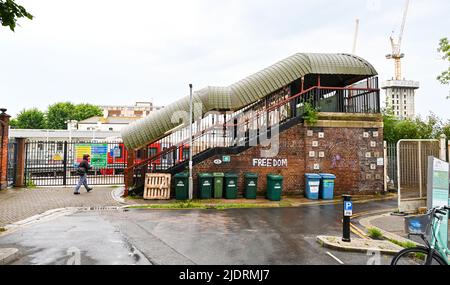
347 213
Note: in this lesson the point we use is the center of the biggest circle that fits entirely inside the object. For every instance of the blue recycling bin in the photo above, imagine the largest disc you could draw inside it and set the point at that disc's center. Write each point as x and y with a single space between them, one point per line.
326 191
312 182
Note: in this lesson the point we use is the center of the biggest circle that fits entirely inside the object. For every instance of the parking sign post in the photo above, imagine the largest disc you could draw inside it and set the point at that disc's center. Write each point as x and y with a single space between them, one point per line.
347 213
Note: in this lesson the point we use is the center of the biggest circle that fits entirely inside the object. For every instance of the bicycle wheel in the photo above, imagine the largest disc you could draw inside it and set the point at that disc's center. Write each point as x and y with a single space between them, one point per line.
416 256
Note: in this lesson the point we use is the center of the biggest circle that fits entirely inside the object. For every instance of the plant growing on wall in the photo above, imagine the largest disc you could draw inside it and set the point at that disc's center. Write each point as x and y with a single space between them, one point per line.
310 114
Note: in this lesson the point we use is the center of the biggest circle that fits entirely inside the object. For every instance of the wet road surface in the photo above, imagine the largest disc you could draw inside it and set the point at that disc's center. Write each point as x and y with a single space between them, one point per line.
235 236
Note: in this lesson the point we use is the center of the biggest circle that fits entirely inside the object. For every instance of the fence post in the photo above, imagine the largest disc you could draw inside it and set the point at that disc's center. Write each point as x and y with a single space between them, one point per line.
448 151
442 154
385 158
129 171
65 164
20 167
4 125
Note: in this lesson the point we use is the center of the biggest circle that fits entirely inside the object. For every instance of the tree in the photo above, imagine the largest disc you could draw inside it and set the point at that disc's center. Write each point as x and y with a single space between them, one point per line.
29 119
10 12
446 129
389 122
444 49
84 111
58 114
396 129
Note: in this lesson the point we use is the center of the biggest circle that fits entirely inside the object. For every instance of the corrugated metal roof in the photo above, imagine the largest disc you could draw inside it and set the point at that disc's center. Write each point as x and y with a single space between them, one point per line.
245 91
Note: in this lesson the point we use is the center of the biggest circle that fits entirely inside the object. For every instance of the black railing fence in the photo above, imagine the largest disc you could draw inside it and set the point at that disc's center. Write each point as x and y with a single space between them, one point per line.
12 163
49 163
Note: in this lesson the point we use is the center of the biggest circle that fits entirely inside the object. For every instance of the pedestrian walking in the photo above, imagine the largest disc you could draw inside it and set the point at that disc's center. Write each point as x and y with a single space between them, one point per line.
83 168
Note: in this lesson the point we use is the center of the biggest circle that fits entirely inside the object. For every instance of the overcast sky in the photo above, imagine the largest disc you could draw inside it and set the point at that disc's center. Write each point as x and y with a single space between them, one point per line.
120 52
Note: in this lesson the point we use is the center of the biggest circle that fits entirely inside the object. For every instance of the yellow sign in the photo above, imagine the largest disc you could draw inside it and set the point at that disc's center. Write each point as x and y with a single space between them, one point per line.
57 157
80 150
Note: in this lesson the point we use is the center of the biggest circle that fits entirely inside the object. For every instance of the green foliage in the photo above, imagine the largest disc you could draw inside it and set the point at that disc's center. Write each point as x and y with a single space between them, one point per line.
446 129
375 233
84 111
55 117
406 244
10 12
430 128
30 184
389 122
59 113
29 119
310 114
444 49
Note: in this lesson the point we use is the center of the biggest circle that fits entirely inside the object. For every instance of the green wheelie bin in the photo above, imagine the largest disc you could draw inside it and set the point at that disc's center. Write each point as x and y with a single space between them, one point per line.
218 184
231 186
251 185
274 187
205 185
182 186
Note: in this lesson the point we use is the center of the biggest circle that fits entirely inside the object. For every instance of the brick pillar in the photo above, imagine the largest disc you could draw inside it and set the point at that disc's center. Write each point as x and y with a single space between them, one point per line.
129 172
20 167
4 130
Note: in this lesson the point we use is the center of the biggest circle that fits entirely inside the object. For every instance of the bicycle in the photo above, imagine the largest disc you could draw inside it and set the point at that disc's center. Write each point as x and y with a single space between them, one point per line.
434 252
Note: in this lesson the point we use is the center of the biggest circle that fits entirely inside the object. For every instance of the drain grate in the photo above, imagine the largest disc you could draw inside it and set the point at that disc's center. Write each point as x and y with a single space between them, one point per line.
100 208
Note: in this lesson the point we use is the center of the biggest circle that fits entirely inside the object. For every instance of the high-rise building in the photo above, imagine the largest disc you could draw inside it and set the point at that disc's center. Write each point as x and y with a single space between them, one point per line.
400 97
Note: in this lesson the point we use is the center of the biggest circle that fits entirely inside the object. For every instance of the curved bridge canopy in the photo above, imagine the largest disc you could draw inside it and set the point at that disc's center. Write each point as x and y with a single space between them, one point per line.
339 70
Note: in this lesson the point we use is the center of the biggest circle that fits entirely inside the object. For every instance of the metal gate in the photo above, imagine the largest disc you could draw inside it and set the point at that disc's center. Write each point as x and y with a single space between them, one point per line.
12 163
54 163
412 167
391 166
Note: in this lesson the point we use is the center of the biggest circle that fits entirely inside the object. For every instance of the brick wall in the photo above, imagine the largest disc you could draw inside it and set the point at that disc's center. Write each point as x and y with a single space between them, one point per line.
347 146
4 128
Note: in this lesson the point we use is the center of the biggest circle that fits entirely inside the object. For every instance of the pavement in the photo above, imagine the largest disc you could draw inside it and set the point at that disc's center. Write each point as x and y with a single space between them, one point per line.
146 236
359 244
392 227
114 235
19 203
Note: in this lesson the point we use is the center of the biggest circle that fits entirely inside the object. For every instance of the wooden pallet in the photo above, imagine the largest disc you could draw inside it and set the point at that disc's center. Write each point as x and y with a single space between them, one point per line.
157 186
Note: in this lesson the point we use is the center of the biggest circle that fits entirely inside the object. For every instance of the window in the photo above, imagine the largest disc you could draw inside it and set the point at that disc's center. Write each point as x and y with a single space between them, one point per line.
185 153
404 102
405 113
164 155
393 101
404 107
398 102
110 129
152 151
398 107
40 146
59 146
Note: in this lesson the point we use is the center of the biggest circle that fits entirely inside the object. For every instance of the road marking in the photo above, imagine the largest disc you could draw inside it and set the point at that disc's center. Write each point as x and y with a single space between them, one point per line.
357 231
335 258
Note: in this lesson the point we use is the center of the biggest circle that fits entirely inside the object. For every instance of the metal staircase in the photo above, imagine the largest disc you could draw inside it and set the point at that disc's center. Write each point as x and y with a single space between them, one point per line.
233 132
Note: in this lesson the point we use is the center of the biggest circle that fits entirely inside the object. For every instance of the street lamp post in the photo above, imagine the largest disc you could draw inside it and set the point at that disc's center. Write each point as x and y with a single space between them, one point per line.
191 182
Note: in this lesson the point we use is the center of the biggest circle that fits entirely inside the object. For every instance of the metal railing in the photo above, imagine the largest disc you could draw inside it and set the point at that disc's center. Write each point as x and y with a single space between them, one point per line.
50 163
249 124
12 163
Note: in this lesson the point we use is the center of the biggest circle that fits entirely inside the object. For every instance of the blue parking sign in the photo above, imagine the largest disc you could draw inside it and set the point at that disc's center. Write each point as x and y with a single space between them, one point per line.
348 208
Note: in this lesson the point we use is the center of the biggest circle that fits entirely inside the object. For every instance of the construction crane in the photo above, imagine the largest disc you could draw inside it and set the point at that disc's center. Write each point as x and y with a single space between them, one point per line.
355 37
396 54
